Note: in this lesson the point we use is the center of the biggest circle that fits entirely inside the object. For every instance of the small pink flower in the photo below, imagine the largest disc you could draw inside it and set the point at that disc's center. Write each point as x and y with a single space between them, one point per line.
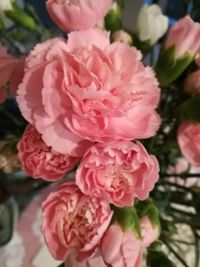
149 232
73 222
189 142
192 83
121 249
88 89
184 35
72 15
40 161
12 70
96 261
119 172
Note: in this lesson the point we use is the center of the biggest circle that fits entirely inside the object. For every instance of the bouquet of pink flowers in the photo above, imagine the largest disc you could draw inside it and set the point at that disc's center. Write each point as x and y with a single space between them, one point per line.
124 129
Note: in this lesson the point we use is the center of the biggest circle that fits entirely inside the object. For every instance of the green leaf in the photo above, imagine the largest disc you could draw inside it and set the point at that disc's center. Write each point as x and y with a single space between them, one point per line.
158 259
61 265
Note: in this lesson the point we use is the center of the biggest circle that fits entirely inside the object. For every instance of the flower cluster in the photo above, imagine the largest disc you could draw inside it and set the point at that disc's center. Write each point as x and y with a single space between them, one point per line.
85 99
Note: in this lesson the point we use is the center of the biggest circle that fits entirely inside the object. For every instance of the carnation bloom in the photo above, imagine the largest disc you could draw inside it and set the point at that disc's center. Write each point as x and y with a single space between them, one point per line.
189 142
124 248
192 83
118 172
121 248
184 35
73 222
72 15
87 88
40 161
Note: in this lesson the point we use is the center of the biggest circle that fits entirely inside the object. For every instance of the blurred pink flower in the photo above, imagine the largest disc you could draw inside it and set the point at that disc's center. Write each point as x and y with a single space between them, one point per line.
73 222
189 142
88 89
72 15
40 161
192 83
184 35
12 70
181 167
118 172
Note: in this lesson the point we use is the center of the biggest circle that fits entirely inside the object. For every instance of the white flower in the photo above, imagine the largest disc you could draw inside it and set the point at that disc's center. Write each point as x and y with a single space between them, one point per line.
151 24
5 5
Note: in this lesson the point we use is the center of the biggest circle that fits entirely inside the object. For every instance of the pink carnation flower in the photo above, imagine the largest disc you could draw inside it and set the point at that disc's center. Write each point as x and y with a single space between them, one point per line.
123 248
40 161
87 88
72 15
184 35
73 222
119 172
189 142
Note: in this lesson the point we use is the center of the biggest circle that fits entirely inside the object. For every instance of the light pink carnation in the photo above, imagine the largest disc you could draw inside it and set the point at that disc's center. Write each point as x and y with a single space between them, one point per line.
192 83
73 222
121 249
87 88
40 161
11 70
189 142
72 15
184 35
119 172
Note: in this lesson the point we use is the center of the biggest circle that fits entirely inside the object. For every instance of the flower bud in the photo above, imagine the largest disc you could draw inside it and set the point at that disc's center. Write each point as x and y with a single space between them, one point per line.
179 51
113 20
151 24
122 37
